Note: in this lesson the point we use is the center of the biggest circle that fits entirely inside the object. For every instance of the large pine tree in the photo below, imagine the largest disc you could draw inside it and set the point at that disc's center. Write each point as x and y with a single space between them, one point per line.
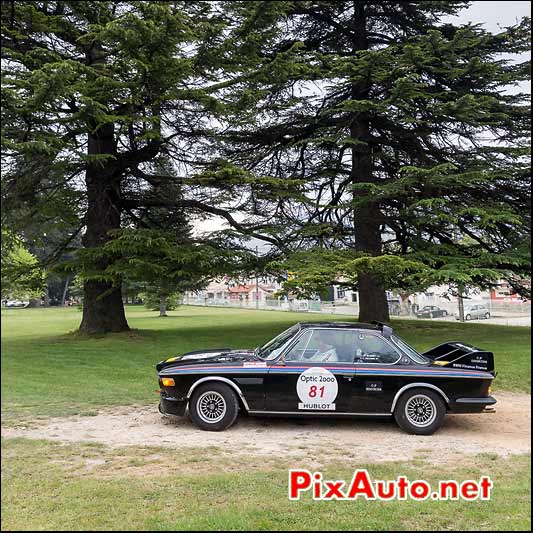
400 127
92 94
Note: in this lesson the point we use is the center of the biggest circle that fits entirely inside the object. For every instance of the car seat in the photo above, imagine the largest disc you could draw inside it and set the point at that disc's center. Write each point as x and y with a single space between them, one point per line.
345 353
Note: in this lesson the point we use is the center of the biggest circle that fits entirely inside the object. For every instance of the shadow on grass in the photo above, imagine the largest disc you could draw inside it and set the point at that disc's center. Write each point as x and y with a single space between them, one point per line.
203 333
149 345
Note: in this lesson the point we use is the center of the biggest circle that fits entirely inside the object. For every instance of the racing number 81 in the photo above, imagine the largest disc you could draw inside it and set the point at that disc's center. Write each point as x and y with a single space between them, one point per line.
313 390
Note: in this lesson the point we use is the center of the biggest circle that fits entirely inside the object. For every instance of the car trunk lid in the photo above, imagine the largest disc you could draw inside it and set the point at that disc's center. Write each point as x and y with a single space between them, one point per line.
461 355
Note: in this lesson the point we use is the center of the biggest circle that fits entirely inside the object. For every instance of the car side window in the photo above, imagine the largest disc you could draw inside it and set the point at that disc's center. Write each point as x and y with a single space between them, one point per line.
371 348
324 345
297 352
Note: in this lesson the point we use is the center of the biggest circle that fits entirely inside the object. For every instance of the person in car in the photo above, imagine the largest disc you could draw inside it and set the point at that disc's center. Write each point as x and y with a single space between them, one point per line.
325 352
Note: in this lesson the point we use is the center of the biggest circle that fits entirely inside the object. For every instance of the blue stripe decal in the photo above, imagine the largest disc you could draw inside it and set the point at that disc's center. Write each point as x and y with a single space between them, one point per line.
293 370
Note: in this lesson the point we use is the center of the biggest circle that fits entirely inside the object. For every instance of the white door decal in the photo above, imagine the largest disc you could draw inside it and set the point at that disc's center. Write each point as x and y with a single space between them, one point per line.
317 389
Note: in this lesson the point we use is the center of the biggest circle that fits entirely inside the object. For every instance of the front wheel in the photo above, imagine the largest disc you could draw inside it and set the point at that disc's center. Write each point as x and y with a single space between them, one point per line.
487 315
213 406
445 313
468 317
420 412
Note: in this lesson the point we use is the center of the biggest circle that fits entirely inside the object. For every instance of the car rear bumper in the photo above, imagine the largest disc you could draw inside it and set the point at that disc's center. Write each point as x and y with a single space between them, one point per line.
172 406
472 405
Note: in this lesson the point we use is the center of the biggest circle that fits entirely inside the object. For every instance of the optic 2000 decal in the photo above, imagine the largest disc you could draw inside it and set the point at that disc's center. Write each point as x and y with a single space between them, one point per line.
317 388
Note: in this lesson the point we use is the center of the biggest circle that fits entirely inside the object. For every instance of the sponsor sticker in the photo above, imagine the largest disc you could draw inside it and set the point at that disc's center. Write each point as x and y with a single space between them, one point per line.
317 389
373 386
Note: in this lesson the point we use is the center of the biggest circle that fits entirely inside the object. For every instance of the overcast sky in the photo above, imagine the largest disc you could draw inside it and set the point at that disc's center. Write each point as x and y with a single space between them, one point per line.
494 15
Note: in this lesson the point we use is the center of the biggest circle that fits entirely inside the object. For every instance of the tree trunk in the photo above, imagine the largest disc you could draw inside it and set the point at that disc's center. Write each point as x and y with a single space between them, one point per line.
103 309
367 217
65 289
372 300
46 298
163 305
405 306
461 303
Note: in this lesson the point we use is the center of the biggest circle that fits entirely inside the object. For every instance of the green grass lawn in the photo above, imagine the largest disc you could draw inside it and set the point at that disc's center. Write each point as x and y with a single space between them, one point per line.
48 369
73 487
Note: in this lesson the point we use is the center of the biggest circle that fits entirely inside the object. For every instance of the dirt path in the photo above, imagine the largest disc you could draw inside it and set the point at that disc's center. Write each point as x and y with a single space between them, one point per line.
505 432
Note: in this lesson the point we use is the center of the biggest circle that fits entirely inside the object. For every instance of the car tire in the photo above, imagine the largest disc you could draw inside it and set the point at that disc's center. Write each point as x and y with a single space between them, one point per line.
445 313
487 316
468 317
420 411
213 406
430 315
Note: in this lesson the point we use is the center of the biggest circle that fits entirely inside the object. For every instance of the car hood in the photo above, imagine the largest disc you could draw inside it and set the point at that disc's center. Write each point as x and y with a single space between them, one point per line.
219 355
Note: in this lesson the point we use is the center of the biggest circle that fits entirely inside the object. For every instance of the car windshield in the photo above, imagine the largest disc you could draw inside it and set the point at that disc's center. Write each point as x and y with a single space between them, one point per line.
409 350
273 347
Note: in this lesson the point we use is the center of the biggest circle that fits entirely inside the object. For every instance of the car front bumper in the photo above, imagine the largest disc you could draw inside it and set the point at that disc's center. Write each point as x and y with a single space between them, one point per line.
172 406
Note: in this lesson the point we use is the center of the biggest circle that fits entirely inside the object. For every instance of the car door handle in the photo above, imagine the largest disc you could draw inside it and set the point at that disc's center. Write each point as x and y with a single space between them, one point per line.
349 377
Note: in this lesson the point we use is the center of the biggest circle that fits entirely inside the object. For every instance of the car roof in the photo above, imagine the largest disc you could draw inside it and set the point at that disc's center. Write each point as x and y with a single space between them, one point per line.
351 325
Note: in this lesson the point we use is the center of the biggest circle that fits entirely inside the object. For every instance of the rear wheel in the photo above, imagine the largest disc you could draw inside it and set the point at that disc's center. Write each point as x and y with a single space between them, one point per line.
445 313
468 317
213 406
420 411
487 315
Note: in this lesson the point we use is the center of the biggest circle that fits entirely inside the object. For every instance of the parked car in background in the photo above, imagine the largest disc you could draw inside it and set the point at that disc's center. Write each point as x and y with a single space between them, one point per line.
431 311
477 311
16 303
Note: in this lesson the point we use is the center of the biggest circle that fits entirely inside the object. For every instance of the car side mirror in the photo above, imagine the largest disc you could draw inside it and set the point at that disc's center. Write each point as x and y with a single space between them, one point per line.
281 361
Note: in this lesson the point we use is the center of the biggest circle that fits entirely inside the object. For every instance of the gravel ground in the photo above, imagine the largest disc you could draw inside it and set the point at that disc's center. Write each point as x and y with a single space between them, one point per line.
505 432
